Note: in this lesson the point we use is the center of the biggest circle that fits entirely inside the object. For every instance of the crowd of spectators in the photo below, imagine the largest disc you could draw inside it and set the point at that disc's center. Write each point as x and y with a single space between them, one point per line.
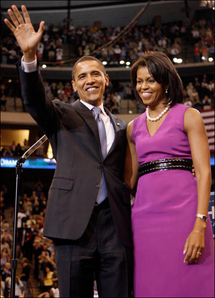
200 93
175 39
16 149
35 252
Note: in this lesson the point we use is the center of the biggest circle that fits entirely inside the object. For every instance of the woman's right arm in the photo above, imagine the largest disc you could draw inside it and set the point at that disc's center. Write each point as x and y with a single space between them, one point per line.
131 160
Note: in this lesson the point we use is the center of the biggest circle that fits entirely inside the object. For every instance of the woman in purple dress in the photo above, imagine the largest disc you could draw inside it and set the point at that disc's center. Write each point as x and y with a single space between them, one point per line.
173 241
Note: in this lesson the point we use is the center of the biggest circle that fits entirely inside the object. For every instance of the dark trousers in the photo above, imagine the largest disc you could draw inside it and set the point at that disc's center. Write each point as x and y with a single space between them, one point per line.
98 254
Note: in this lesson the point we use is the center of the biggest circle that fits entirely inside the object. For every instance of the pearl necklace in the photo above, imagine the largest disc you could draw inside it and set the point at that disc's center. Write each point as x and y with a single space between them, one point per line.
159 116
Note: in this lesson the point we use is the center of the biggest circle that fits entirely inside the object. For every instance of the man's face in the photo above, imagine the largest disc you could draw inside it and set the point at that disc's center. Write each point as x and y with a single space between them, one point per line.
90 81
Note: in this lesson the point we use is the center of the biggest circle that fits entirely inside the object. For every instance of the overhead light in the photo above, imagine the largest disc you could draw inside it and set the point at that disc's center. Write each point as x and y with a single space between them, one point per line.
128 63
122 62
203 58
207 3
44 66
210 59
104 62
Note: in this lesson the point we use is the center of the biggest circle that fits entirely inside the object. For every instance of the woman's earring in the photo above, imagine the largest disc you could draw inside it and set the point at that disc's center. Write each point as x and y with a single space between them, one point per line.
166 91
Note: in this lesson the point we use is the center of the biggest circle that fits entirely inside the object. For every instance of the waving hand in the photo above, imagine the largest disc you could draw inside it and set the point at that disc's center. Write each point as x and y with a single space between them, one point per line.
24 32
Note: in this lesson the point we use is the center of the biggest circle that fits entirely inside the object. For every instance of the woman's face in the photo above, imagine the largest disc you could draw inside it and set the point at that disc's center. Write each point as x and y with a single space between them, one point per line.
150 91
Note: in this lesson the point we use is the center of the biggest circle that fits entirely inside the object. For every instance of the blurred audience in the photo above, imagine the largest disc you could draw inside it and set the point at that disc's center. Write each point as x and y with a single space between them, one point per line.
83 40
37 256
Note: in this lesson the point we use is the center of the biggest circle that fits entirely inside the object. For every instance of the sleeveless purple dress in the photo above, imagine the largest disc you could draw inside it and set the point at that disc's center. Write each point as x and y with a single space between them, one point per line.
163 216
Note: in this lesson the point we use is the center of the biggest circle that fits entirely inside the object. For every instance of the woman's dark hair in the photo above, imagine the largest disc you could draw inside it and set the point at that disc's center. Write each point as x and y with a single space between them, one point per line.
163 71
87 58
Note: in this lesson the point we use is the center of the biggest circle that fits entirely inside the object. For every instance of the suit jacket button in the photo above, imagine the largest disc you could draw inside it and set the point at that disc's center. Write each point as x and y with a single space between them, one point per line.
97 185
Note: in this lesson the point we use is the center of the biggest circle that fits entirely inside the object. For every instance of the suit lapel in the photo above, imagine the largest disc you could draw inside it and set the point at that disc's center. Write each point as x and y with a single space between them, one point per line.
117 127
88 118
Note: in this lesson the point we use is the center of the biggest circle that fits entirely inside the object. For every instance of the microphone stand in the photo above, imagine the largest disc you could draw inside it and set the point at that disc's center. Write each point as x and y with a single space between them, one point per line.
19 163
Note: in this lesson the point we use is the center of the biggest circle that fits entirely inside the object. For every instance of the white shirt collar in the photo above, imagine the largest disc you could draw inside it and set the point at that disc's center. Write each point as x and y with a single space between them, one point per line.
90 107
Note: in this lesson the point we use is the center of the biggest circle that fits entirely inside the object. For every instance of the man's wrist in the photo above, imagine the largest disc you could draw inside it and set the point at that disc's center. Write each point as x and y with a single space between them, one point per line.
29 56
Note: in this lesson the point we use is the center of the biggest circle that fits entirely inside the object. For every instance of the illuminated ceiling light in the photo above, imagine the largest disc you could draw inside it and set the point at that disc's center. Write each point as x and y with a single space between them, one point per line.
128 63
122 62
44 66
104 62
203 3
203 58
207 3
210 59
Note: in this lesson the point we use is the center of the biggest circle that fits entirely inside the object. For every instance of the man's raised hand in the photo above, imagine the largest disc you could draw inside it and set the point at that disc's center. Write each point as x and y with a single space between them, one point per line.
24 32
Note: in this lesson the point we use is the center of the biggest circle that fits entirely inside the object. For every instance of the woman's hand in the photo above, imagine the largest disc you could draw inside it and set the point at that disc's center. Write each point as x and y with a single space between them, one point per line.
24 32
195 243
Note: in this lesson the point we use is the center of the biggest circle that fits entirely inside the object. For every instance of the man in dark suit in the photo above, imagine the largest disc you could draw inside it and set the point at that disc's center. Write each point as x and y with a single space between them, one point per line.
88 211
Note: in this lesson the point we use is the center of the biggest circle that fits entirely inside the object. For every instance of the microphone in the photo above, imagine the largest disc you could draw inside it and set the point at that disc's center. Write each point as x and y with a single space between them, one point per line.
33 148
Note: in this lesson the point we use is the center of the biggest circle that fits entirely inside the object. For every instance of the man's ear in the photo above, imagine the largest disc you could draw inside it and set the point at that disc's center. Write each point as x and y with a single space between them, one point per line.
106 80
74 85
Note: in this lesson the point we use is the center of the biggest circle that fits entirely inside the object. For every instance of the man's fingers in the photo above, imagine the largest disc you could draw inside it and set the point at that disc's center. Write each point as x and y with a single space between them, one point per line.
41 27
9 25
26 14
17 14
12 17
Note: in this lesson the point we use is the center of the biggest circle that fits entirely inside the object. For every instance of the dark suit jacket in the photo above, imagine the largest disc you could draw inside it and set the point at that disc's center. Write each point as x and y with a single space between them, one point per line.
73 134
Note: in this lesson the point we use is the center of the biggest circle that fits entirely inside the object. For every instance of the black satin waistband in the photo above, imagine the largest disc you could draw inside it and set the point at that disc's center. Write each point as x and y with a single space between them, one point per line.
164 165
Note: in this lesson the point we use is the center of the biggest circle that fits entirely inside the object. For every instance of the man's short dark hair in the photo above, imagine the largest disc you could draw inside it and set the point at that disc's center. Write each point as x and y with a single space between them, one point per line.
87 58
